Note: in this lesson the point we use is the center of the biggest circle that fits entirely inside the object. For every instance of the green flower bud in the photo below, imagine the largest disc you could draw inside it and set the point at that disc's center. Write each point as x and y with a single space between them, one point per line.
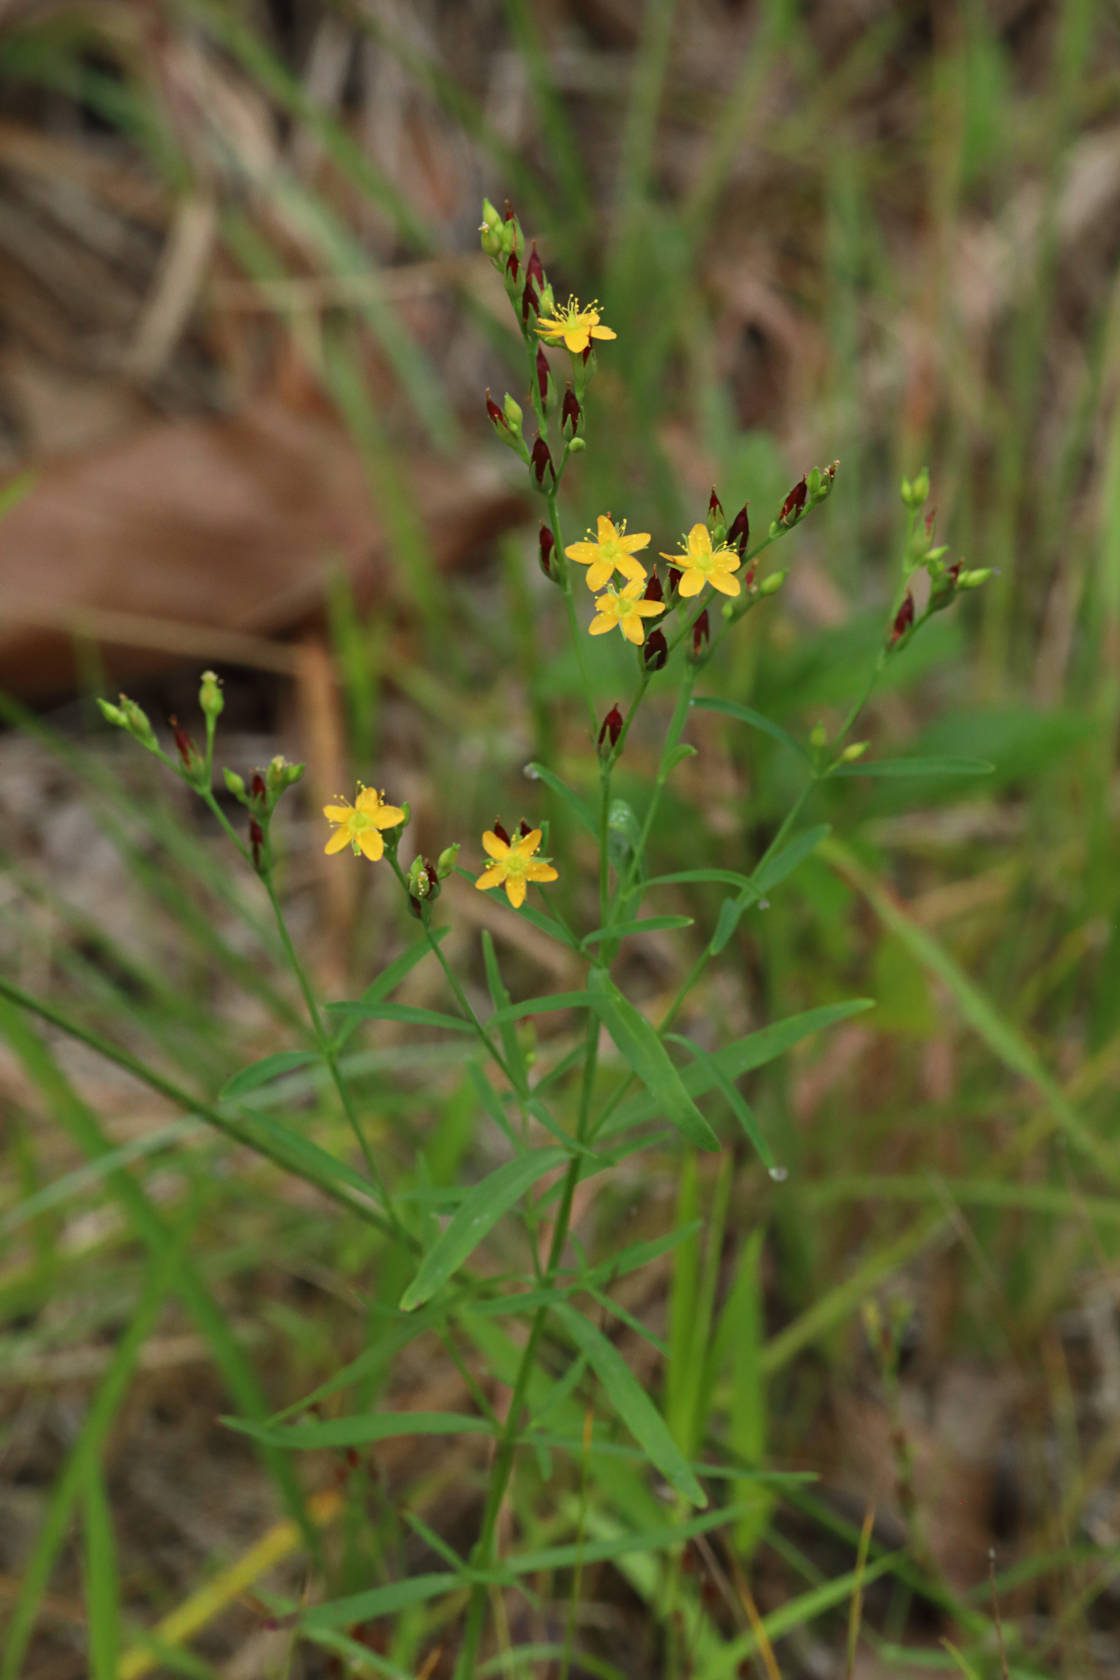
235 784
491 230
818 735
855 750
513 413
418 884
770 585
281 775
577 446
446 861
548 299
973 580
113 714
727 611
915 491
210 695
137 724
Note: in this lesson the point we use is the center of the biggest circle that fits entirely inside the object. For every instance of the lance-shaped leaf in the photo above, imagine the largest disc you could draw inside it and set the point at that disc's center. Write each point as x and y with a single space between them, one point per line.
648 1057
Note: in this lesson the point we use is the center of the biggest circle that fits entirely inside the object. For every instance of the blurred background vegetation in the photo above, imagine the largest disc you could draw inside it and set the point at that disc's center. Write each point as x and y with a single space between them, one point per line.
245 331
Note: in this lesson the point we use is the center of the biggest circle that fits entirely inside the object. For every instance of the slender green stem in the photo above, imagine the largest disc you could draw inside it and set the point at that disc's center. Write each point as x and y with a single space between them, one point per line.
569 606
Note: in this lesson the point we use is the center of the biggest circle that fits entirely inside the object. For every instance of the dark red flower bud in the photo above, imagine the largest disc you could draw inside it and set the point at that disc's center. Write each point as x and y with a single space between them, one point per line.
715 506
655 651
541 461
611 730
654 591
542 373
497 418
256 841
952 573
739 531
533 269
701 633
929 522
748 575
904 618
587 355
548 543
501 831
529 300
524 828
258 788
188 752
793 504
674 580
513 267
570 412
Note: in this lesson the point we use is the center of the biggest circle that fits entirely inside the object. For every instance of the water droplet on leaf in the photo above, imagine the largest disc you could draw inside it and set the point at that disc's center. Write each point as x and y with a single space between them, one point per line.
778 1174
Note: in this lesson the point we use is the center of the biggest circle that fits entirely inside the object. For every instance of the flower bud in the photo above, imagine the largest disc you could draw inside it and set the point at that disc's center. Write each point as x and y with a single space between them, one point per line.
655 651
794 504
529 301
256 844
903 619
497 418
541 462
513 267
771 585
717 524
915 491
674 580
113 714
570 414
547 544
854 750
701 636
973 580
542 374
739 531
446 861
501 831
524 828
654 591
258 789
491 231
210 695
191 760
548 300
577 446
818 736
512 413
534 270
281 775
235 784
419 884
610 731
137 723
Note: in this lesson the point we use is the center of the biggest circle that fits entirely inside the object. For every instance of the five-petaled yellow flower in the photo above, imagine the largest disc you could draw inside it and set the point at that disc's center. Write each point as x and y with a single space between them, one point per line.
574 327
626 608
700 564
513 864
360 825
611 551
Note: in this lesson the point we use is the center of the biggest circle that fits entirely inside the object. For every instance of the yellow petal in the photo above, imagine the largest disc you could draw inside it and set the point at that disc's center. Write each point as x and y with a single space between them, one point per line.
576 340
631 590
603 332
528 843
605 527
601 624
337 841
725 583
601 572
515 890
371 843
699 540
388 816
538 871
635 542
633 631
338 813
649 609
584 553
677 560
493 846
491 877
692 582
632 569
368 800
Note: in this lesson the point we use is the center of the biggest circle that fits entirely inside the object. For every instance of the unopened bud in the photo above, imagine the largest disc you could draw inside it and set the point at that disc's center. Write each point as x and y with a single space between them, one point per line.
855 750
570 414
523 828
258 789
771 585
490 231
446 861
501 831
793 505
548 300
113 714
235 784
513 415
547 544
903 618
497 418
513 267
542 374
674 580
210 695
739 531
529 301
654 591
281 775
818 736
701 636
137 723
915 490
655 651
973 580
256 844
717 524
610 731
534 269
191 761
541 462
577 446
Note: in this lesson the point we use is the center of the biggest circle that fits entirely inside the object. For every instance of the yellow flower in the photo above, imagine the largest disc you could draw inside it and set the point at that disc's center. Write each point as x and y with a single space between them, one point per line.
360 825
699 564
611 551
513 864
574 327
626 608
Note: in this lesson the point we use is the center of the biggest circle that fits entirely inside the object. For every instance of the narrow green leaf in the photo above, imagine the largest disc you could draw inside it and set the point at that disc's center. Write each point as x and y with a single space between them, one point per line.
633 1405
541 773
643 924
772 870
547 925
757 720
678 755
731 1096
641 1048
390 978
269 1067
915 767
361 1430
740 1057
102 1587
500 998
481 1210
363 1011
728 920
699 877
546 1005
492 1103
378 1601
